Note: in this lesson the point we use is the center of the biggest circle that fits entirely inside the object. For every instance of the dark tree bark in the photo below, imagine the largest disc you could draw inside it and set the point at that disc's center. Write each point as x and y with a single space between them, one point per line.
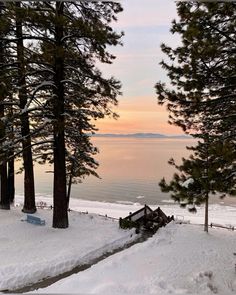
207 183
29 191
70 184
206 214
11 165
11 180
60 214
5 203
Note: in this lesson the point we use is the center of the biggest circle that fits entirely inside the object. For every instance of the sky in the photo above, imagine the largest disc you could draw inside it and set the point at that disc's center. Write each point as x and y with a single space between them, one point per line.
146 24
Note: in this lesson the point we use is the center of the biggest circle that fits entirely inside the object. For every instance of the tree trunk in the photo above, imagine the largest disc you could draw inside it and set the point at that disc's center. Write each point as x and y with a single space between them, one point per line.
4 203
11 166
11 180
70 181
206 213
69 190
206 139
60 214
29 192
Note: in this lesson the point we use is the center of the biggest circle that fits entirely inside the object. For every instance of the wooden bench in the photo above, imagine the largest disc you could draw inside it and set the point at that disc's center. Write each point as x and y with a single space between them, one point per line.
35 220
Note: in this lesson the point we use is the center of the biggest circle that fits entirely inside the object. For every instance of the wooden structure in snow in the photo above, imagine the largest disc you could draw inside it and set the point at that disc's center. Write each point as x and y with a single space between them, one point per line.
147 218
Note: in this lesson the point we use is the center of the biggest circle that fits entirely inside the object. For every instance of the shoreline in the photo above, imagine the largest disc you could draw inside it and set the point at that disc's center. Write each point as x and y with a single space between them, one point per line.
117 210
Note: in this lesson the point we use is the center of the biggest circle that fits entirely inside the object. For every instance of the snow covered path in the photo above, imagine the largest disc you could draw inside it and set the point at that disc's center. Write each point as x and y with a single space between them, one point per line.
29 253
178 259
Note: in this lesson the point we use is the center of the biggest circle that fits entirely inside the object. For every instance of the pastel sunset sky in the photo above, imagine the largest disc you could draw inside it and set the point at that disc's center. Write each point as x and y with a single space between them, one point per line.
146 24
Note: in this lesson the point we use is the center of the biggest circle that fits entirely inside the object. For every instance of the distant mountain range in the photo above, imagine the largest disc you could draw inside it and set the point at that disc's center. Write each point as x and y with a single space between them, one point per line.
141 135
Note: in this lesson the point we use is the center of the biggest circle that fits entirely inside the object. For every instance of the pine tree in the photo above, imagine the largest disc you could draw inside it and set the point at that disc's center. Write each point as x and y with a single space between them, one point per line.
16 117
57 90
29 190
206 172
80 163
202 97
202 71
4 199
73 37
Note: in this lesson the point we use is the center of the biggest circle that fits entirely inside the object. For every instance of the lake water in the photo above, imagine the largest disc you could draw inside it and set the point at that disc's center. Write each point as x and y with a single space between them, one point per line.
130 169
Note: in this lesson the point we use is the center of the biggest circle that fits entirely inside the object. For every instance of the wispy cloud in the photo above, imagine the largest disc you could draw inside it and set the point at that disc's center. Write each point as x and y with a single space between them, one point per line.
146 13
146 24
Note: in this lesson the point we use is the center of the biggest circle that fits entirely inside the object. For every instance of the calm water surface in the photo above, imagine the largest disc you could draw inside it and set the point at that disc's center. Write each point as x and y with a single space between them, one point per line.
130 169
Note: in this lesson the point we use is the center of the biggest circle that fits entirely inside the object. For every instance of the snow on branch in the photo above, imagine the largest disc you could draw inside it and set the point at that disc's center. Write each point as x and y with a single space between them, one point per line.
187 182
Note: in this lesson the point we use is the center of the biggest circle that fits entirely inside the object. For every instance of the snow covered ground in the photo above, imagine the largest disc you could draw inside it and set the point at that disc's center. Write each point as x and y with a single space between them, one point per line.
217 213
178 259
29 253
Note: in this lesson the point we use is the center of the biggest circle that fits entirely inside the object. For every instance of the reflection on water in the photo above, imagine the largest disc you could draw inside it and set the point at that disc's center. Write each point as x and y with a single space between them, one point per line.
130 169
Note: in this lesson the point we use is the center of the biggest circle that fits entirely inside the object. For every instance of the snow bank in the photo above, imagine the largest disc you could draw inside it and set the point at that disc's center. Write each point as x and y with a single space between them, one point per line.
181 259
217 213
29 253
178 259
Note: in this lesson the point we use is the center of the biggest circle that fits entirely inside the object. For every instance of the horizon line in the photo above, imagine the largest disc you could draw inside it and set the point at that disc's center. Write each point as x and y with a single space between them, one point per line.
140 133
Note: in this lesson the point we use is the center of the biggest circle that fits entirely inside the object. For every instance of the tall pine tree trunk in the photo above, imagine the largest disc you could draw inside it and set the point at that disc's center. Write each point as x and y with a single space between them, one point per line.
206 141
11 165
60 214
11 179
70 185
206 213
29 192
4 203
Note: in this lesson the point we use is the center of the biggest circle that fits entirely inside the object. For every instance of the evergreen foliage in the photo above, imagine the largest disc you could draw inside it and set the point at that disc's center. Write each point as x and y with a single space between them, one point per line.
208 171
202 70
72 89
5 203
202 100
57 89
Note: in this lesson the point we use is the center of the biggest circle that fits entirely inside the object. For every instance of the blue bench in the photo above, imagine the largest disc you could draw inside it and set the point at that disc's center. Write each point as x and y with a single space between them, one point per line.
35 220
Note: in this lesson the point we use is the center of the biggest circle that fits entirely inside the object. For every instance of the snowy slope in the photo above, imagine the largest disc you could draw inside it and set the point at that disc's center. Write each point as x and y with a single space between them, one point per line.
179 259
29 252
